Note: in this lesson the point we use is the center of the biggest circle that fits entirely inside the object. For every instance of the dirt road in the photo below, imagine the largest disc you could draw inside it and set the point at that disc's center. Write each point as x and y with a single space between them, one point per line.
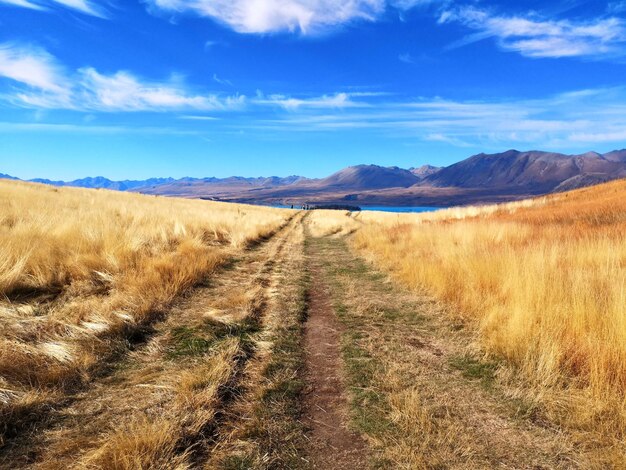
297 355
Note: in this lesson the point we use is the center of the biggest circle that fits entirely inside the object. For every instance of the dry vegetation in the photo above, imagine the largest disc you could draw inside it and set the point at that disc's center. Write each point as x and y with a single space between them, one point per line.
83 273
323 223
95 335
544 281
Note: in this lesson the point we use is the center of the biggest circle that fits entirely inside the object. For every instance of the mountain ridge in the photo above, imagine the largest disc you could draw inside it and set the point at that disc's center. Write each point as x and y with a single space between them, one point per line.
483 177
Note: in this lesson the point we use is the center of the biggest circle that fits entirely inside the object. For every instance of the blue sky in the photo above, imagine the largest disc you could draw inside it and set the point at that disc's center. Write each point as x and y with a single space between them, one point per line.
140 88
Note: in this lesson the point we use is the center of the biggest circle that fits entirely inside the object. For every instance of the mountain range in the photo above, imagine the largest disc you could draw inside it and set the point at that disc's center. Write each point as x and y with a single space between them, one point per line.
480 178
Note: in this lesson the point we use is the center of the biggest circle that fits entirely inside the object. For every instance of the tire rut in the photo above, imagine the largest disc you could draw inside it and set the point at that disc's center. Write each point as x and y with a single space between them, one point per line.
332 445
144 380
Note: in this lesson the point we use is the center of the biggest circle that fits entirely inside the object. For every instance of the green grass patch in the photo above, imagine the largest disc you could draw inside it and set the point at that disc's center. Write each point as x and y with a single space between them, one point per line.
474 369
368 406
198 341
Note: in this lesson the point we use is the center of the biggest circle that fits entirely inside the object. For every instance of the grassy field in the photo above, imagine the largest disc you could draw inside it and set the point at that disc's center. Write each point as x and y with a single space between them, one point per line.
542 281
140 332
84 273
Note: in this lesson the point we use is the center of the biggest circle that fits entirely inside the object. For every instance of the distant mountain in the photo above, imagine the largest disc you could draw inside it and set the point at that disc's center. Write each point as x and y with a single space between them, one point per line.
216 187
364 177
534 172
100 182
616 156
481 178
424 171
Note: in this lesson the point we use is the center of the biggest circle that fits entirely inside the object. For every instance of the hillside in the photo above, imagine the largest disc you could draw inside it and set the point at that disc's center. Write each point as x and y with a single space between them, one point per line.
535 172
541 283
367 177
424 171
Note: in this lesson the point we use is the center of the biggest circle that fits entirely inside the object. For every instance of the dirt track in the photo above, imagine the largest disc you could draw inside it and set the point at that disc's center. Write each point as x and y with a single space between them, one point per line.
325 401
327 365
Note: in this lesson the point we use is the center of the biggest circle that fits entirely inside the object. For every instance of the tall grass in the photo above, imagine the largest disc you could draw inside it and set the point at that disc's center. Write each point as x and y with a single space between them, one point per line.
82 271
323 223
544 281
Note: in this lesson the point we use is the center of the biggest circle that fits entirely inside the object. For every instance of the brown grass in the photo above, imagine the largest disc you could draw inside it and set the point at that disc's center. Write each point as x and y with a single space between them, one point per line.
83 271
162 440
544 283
322 223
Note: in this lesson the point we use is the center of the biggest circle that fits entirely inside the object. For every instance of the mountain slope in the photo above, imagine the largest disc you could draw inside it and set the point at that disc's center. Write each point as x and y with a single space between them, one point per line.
363 177
424 171
534 171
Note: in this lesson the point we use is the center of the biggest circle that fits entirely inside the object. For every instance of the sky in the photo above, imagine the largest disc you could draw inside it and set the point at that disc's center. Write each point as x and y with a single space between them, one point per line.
130 89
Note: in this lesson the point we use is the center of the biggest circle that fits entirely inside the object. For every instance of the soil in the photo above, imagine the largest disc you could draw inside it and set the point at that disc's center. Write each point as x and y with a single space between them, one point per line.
332 445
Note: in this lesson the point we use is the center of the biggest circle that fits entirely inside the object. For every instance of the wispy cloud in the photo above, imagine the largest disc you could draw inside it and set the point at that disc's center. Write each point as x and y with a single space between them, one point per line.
22 3
31 66
40 82
191 117
563 120
406 58
12 127
536 37
268 16
273 16
37 80
616 7
337 100
84 6
221 81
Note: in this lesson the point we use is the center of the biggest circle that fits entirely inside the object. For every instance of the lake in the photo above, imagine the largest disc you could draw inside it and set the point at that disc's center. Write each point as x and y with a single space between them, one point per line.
403 209
399 209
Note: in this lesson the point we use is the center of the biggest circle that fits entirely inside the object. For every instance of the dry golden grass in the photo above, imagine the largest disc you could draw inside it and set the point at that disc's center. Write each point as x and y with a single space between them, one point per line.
543 280
82 271
163 441
323 223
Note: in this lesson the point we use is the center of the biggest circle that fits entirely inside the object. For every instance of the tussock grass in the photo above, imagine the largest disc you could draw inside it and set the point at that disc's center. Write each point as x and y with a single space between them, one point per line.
83 272
323 223
162 439
543 280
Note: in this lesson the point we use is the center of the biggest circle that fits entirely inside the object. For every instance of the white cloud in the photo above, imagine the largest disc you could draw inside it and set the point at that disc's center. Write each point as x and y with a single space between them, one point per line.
406 58
198 118
40 82
271 16
31 66
408 4
536 37
337 100
617 7
22 3
29 127
84 6
562 121
80 5
221 81
600 137
123 91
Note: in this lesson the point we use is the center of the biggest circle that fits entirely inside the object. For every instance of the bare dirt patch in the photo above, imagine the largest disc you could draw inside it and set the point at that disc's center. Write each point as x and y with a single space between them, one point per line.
332 445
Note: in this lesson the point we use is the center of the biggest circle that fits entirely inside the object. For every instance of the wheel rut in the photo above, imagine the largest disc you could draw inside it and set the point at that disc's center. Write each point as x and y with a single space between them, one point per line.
144 386
332 445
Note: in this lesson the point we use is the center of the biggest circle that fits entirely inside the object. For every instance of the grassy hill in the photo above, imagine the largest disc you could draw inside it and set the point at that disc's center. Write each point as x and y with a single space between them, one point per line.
541 282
